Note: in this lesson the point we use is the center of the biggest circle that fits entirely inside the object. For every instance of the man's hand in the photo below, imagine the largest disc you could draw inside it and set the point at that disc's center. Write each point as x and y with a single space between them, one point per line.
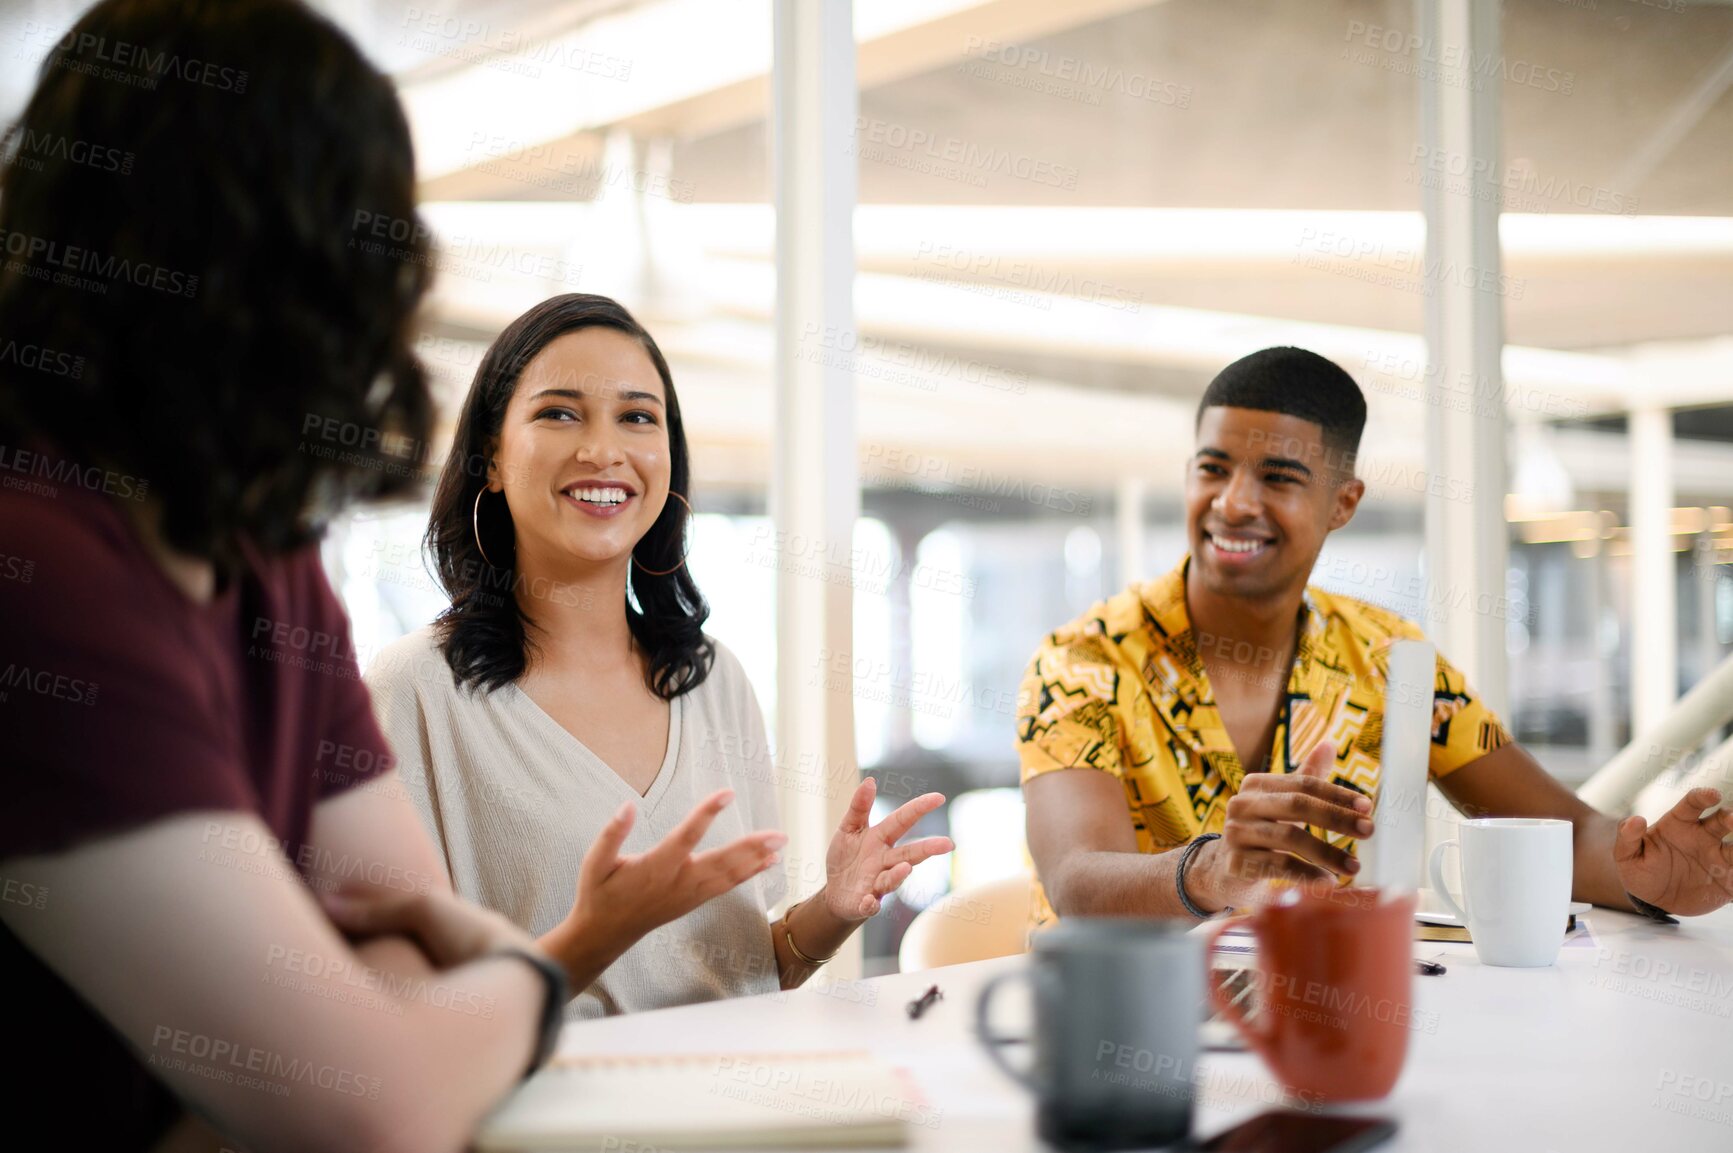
1265 837
865 864
449 932
1680 863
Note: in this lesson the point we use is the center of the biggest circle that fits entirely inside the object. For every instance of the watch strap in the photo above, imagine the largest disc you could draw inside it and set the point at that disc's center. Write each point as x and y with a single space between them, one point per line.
553 1003
1653 912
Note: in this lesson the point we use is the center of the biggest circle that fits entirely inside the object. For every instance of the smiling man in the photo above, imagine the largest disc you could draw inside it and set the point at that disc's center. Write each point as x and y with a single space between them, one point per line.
1195 736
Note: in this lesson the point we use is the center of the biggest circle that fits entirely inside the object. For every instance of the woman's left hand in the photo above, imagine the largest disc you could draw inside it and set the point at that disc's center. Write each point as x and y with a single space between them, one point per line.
865 863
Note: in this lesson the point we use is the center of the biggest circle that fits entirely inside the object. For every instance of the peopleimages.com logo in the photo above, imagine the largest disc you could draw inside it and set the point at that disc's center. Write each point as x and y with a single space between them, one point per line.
236 1063
74 261
139 65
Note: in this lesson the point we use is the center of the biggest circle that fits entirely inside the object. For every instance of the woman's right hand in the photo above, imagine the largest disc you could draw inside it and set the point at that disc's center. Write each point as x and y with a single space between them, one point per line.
621 897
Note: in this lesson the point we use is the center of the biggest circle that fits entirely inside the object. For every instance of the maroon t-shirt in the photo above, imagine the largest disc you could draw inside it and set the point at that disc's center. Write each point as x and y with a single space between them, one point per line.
123 702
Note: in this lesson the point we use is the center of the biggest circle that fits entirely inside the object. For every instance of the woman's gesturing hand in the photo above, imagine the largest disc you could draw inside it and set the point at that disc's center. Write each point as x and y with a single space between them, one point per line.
865 863
623 896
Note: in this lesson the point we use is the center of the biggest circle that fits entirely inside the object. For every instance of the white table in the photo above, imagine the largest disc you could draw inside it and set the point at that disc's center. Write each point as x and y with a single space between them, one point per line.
1625 1047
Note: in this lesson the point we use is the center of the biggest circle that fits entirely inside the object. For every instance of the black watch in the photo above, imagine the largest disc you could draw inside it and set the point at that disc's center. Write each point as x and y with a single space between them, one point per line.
1653 912
553 1005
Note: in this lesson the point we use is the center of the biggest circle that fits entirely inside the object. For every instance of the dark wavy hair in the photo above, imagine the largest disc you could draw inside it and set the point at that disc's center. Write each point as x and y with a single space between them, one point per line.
188 209
486 635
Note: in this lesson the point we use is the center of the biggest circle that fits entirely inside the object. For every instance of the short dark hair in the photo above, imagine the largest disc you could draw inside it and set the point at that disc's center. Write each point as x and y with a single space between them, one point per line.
184 224
485 634
1293 382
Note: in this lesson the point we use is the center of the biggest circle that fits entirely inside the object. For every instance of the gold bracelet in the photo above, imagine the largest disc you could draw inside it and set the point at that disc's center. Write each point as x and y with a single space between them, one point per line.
788 935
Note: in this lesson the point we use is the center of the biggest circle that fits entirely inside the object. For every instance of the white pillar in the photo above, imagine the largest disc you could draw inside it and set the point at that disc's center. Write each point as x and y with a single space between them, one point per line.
1466 543
615 251
1654 595
1128 520
1466 536
814 492
1603 721
1703 580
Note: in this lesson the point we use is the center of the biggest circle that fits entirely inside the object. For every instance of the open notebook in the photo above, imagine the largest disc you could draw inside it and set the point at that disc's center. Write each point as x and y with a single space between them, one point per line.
708 1101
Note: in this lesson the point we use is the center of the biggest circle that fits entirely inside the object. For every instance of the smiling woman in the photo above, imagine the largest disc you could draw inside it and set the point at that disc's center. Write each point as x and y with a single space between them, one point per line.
572 674
484 633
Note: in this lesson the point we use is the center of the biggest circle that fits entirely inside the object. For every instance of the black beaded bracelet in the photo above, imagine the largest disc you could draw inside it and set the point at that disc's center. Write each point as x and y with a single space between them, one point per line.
1185 856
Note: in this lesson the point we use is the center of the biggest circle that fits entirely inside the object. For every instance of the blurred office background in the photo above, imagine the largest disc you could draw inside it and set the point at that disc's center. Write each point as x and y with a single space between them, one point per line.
1070 216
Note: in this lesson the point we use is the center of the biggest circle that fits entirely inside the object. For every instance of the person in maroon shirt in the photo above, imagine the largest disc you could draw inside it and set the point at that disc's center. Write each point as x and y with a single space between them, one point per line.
220 919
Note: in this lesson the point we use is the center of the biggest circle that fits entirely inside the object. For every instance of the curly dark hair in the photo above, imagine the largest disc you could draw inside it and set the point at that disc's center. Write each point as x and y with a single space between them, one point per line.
212 204
486 635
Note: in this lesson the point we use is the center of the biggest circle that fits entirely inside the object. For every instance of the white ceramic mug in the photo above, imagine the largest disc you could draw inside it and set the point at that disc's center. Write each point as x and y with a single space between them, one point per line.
1516 886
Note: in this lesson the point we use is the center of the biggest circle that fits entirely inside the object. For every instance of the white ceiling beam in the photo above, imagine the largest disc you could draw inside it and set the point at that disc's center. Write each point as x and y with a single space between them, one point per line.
519 117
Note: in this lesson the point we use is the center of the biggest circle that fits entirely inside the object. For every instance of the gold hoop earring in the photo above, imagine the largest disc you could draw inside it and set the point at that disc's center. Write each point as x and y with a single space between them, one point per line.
475 526
682 564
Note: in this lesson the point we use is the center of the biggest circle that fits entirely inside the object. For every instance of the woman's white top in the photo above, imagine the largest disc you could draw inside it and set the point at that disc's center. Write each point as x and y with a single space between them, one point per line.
513 801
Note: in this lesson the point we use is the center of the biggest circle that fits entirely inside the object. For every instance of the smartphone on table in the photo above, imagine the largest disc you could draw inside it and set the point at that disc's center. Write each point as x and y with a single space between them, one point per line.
1286 1131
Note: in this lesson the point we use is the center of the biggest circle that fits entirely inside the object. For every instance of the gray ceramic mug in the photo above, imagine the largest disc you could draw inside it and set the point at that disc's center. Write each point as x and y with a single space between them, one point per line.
1116 1031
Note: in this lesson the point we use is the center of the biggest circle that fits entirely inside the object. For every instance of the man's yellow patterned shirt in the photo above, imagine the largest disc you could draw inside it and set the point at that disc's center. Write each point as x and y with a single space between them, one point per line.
1123 689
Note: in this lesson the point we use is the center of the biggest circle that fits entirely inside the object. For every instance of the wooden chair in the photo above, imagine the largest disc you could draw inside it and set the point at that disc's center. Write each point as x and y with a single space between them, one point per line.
973 924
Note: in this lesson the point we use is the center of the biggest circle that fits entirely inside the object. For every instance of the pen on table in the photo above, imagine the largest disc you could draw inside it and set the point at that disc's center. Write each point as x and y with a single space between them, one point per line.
916 1008
1429 968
